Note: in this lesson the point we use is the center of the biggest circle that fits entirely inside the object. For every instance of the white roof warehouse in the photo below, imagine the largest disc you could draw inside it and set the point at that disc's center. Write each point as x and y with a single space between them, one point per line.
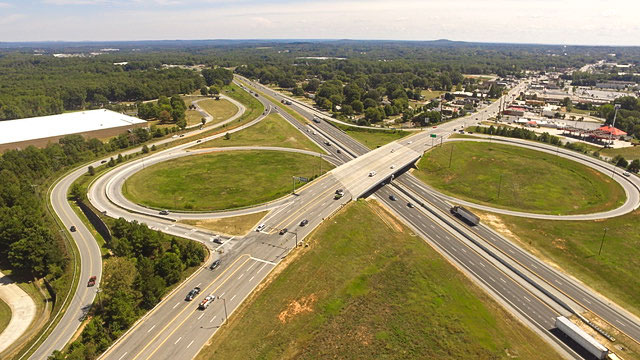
40 131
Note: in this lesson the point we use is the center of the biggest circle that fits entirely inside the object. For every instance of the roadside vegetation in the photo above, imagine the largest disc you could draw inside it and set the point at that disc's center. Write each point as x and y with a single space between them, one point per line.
5 315
142 267
574 247
235 225
220 110
518 179
373 138
221 180
341 298
273 130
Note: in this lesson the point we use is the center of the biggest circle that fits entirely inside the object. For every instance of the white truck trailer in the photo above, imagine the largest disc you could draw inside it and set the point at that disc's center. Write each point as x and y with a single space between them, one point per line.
581 337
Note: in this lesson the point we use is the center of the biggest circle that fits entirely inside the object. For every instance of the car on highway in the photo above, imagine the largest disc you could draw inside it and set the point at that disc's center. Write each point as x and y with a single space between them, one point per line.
214 264
206 302
103 161
338 151
217 240
435 127
626 173
409 142
72 229
164 212
392 198
256 95
261 227
304 222
392 166
283 231
92 281
192 294
199 141
327 143
372 173
410 205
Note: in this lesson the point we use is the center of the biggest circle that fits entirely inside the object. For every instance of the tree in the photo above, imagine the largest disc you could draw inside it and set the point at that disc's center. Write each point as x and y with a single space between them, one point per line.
169 267
120 158
164 116
634 166
373 114
91 171
227 136
145 149
204 91
620 161
203 121
297 91
214 90
76 192
357 106
153 147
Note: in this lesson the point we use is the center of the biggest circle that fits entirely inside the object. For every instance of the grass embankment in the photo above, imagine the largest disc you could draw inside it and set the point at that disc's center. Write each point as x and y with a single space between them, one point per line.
220 110
290 111
373 138
629 153
272 131
254 108
221 181
573 246
235 225
431 94
532 181
371 291
5 315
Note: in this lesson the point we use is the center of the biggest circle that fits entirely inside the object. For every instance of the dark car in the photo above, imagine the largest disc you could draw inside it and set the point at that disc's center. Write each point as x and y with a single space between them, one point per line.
392 198
410 205
304 222
103 161
217 240
339 151
283 231
92 281
192 294
164 212
215 264
73 229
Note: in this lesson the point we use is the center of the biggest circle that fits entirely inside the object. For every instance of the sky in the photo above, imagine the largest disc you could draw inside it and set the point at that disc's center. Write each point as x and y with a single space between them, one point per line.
575 22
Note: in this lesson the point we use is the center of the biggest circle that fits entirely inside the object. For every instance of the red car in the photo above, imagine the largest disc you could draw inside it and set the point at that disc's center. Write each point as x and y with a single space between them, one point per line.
92 281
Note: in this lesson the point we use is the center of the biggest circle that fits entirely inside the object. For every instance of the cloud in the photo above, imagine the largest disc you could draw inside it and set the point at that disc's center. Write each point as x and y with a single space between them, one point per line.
11 19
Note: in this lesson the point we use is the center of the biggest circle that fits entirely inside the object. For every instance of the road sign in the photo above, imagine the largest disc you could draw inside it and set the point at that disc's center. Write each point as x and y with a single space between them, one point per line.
434 135
303 179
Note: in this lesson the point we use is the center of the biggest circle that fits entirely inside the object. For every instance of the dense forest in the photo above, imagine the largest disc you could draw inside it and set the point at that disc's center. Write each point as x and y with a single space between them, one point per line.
34 83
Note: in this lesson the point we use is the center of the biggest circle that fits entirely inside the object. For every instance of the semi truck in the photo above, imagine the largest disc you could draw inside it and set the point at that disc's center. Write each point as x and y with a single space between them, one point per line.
581 337
465 214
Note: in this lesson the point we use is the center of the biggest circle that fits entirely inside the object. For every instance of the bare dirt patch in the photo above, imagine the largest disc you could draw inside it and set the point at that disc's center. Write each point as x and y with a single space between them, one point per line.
295 307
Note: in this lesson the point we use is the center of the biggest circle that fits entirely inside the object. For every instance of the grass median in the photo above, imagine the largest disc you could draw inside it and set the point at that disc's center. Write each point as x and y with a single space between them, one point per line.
373 138
234 225
368 288
223 180
519 179
272 131
5 315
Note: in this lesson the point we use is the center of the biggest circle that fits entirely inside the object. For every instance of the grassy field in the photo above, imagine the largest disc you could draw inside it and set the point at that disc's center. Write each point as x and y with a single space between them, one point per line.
574 245
272 131
373 138
341 298
429 94
531 181
290 111
629 153
253 107
236 225
220 180
220 109
5 315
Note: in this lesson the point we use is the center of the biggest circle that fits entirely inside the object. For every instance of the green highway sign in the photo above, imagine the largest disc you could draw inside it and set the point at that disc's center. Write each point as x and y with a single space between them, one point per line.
434 135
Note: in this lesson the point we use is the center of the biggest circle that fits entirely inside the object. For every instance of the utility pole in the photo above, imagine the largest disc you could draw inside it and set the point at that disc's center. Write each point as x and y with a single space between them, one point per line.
293 183
224 301
617 106
602 241
499 186
451 155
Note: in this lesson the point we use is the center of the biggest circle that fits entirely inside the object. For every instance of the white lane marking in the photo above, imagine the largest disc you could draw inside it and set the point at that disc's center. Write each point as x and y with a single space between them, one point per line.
190 343
526 298
618 321
252 264
586 300
201 315
180 338
198 285
251 278
471 262
123 355
221 295
503 280
221 245
176 305
213 318
240 277
232 298
154 325
481 264
463 250
492 279
264 261
262 267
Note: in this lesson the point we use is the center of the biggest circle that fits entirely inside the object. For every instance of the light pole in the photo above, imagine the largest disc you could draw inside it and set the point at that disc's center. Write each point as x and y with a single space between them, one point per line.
617 106
499 186
602 241
224 301
296 234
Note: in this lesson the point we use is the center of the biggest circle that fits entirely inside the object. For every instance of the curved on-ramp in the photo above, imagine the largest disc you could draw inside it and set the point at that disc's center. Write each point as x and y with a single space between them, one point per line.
23 311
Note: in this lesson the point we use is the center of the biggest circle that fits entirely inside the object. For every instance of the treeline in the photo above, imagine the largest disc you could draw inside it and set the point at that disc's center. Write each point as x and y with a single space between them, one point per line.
144 264
628 118
591 79
37 86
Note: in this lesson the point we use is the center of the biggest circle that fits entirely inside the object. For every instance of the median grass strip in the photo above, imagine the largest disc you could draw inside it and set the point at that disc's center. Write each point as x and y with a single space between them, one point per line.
274 130
219 181
520 179
235 225
290 111
574 247
629 153
5 315
373 138
368 288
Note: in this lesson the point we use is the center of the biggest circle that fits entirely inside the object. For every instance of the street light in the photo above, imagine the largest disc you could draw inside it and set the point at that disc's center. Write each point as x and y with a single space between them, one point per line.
615 114
224 301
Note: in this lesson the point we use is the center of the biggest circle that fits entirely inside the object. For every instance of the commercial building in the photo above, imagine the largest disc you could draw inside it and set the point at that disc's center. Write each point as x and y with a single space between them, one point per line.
40 131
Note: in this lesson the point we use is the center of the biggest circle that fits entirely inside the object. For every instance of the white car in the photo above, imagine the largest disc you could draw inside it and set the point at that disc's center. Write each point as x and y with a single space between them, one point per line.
372 173
392 167
261 227
626 173
206 302
410 142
